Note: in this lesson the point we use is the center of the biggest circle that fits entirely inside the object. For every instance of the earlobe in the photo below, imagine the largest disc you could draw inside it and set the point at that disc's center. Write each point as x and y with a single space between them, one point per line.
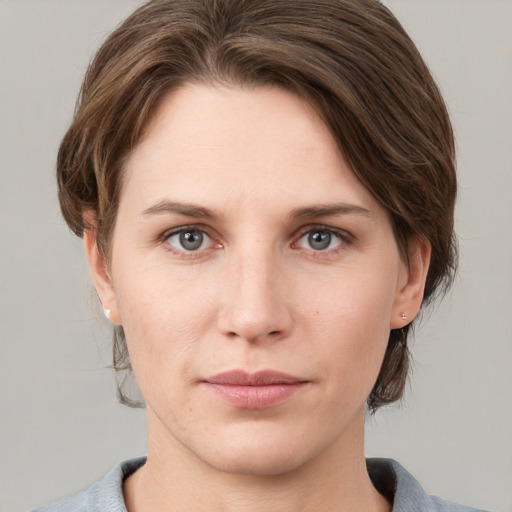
411 288
100 273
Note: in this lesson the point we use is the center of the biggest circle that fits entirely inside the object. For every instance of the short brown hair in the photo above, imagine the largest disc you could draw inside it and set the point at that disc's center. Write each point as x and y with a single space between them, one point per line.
350 59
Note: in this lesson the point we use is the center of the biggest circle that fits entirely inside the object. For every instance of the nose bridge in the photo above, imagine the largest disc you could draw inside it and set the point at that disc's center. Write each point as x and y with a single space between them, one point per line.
255 305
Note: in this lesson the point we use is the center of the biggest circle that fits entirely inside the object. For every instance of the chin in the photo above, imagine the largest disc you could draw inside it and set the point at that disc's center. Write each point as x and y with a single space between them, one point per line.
257 463
265 454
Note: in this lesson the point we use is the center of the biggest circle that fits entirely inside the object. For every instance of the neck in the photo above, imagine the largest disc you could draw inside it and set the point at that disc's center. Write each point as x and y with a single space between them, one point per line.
175 479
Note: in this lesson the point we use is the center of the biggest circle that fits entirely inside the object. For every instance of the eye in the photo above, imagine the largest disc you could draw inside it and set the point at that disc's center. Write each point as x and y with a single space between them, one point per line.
320 239
189 240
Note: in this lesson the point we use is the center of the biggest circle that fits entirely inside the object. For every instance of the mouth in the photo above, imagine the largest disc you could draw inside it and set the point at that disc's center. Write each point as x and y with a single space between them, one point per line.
259 390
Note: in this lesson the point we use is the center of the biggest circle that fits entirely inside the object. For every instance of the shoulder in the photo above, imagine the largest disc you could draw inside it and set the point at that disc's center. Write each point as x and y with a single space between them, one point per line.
105 494
407 495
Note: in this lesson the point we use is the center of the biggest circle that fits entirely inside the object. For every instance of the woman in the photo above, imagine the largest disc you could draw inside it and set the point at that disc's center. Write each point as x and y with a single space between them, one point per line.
265 189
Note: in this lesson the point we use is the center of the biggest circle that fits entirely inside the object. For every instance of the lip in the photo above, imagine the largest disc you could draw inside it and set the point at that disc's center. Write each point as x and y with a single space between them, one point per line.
259 390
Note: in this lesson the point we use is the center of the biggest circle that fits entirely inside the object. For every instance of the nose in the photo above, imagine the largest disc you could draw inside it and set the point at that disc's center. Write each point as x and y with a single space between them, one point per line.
256 306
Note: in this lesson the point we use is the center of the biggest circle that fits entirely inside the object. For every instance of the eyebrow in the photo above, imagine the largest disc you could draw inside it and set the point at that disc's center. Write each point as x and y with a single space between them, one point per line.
186 209
326 210
200 212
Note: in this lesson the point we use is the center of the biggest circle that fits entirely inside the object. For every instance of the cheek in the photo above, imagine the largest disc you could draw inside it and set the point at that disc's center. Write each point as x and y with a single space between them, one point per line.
358 300
351 323
164 319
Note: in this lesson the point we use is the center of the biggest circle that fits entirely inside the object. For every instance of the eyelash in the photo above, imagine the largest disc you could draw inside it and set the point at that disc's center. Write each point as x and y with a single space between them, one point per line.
344 238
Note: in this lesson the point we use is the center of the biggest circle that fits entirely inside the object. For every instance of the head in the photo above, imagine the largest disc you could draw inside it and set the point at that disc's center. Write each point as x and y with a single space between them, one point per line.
350 61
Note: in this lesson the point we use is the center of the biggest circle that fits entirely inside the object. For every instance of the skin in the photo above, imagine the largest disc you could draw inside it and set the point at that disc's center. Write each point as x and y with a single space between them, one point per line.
255 295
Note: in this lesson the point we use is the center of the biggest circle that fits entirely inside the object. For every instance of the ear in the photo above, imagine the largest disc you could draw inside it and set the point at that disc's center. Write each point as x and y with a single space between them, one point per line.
99 270
411 284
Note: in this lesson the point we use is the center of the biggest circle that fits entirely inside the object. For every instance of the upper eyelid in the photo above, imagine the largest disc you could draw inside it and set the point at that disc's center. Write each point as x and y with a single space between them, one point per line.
179 229
342 233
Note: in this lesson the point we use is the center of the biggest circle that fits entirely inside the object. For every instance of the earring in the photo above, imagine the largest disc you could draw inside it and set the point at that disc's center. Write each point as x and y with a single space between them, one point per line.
404 316
106 313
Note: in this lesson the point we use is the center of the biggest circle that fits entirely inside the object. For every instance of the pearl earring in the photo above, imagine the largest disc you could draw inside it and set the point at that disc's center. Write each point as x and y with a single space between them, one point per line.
404 316
107 313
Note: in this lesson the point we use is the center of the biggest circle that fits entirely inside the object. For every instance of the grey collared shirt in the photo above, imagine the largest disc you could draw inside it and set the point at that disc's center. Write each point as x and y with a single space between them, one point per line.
388 476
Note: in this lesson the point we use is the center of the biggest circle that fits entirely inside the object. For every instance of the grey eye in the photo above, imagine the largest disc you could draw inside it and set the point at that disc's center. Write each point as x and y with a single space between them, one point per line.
319 240
189 240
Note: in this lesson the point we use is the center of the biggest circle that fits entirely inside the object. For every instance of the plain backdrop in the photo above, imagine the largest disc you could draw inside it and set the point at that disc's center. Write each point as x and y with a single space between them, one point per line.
60 425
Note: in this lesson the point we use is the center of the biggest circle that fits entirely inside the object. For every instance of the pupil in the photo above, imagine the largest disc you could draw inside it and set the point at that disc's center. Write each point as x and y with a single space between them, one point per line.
191 240
320 240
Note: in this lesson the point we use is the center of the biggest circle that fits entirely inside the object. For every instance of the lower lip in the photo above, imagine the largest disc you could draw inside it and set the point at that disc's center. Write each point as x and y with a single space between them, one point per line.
255 397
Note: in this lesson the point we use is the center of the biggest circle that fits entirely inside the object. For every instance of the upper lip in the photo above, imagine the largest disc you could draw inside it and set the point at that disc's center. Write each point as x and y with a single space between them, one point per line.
259 378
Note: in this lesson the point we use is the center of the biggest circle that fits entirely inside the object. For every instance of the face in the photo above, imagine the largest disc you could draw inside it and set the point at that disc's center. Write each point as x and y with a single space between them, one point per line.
255 278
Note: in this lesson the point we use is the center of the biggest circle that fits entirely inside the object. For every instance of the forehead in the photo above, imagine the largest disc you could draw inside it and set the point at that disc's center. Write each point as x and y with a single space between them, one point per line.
211 143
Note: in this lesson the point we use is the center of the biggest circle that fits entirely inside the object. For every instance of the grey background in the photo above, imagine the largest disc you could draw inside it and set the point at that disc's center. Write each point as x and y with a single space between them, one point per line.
60 425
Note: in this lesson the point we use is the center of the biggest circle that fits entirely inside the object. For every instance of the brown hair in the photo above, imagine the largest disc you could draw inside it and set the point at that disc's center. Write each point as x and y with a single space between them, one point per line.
350 59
